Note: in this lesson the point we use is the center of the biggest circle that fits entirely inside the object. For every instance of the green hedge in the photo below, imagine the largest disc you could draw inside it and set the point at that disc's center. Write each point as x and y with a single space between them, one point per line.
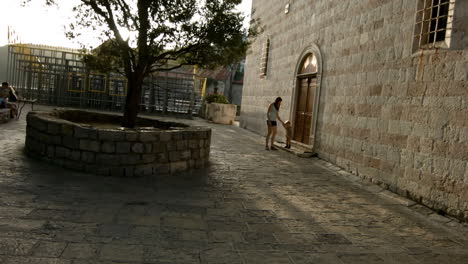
216 98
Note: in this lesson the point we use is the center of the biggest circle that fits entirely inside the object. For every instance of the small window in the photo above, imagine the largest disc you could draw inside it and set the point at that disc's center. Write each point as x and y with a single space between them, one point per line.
434 23
239 74
264 60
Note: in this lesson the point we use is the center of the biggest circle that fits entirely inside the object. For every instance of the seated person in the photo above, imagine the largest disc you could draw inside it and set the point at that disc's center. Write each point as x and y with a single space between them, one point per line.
4 93
7 97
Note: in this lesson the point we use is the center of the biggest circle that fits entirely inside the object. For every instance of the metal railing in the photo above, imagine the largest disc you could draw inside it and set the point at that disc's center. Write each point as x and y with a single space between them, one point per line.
56 76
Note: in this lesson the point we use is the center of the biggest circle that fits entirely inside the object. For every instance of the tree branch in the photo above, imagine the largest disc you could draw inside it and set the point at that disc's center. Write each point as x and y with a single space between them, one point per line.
127 14
95 7
127 52
143 57
174 54
153 70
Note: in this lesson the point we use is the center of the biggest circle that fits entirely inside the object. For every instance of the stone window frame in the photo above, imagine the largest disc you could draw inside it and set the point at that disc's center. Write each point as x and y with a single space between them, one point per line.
424 18
264 58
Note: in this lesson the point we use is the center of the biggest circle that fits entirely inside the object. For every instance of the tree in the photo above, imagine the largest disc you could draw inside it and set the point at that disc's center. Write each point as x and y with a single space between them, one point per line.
164 35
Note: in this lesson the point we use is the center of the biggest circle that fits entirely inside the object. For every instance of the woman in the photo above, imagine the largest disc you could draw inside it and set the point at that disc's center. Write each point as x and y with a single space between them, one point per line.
272 115
12 99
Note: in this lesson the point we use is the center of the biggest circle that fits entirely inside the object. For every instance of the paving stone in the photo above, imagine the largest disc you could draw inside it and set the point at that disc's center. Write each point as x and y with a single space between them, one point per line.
261 257
166 255
360 258
433 258
183 210
34 260
146 220
261 238
49 249
193 235
220 256
127 253
98 216
115 230
267 227
220 236
332 239
302 226
183 222
398 258
80 251
248 206
227 226
14 211
16 247
181 244
309 258
87 261
62 215
296 238
244 246
21 224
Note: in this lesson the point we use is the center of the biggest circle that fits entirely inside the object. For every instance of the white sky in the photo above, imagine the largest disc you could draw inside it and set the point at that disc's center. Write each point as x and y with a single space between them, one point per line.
39 24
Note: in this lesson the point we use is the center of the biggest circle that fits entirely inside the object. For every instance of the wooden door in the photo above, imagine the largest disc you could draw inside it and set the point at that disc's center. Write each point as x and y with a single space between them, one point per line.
304 110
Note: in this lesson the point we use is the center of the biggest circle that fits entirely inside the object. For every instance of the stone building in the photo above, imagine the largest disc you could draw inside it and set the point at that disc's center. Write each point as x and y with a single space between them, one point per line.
227 80
378 87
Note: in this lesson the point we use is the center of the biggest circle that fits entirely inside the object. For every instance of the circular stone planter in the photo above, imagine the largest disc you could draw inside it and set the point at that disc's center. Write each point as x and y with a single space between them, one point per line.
67 138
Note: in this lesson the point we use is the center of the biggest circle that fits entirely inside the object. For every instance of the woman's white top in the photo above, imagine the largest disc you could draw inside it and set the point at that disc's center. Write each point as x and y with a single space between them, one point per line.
273 113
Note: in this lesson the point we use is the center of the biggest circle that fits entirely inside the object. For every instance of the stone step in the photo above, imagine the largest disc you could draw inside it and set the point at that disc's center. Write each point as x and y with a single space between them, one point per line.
296 150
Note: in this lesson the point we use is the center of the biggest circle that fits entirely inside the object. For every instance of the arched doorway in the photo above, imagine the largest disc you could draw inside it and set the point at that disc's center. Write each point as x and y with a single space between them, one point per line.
306 100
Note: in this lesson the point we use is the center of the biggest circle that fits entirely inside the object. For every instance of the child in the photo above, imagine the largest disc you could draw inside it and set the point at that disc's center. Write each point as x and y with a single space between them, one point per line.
288 127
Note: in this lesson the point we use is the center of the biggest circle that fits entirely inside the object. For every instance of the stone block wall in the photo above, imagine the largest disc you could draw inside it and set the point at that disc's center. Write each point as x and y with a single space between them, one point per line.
113 152
388 112
221 113
5 115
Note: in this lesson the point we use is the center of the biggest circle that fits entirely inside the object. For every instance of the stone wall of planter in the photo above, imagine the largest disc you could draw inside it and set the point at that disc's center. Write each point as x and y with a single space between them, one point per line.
116 152
221 113
4 115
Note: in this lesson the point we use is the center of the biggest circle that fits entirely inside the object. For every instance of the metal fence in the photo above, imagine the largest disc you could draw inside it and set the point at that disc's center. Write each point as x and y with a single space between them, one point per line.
57 76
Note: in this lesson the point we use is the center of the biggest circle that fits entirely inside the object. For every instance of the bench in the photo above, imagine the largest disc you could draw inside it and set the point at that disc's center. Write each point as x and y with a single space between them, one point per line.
24 101
5 115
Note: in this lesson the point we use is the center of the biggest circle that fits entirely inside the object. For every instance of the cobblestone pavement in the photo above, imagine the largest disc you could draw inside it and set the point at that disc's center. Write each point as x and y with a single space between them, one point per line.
249 206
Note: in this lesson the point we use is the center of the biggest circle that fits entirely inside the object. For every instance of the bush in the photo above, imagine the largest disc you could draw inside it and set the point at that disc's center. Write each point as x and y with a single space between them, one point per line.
216 98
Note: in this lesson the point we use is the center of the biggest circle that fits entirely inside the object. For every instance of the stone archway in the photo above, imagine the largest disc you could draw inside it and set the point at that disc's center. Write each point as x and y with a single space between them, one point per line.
306 97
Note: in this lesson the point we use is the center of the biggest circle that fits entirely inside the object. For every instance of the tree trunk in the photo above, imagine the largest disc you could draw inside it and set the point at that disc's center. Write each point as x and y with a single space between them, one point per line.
232 71
132 101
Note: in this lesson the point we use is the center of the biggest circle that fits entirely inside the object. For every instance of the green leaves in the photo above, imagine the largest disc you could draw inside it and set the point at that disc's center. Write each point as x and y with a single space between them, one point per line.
149 33
216 98
105 58
146 36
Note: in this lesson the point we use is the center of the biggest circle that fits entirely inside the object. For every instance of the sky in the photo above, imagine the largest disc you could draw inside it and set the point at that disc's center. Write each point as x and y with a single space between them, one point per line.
39 24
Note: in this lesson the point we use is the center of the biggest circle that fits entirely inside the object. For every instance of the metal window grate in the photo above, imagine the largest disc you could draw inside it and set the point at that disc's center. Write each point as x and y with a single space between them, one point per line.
434 22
